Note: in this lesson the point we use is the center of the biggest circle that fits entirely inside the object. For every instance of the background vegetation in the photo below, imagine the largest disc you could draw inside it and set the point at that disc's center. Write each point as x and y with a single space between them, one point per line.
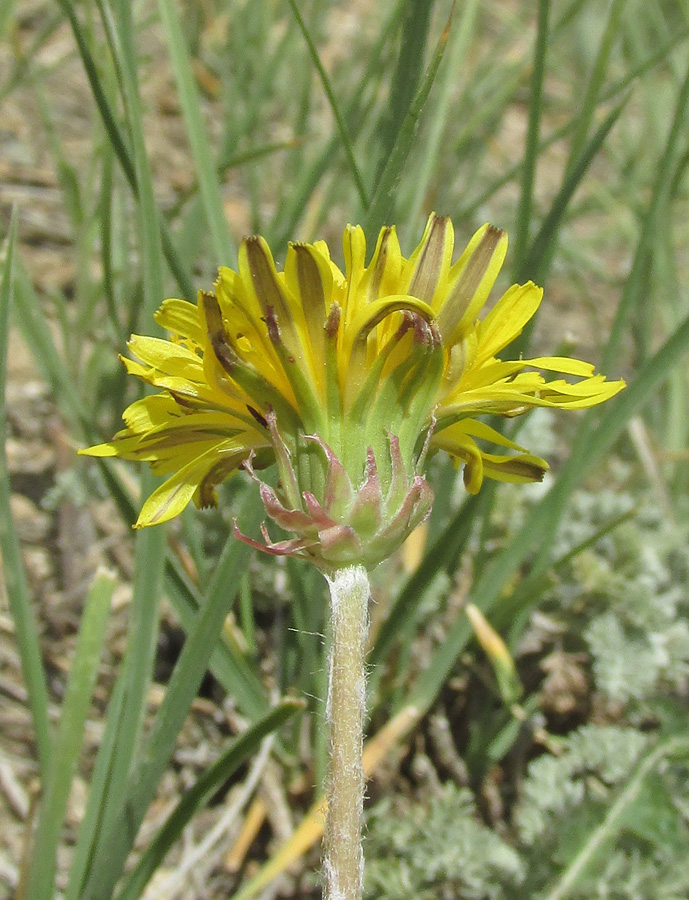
139 143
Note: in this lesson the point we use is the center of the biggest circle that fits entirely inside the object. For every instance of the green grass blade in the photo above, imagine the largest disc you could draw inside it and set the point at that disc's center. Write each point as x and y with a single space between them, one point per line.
538 260
459 45
177 266
107 115
595 82
29 54
138 667
231 669
440 556
633 288
247 619
150 545
73 202
106 241
542 521
407 75
334 105
660 54
65 755
356 115
18 594
610 94
223 246
226 667
383 201
34 327
121 829
5 12
238 676
201 792
608 829
233 161
121 39
537 264
524 211
90 827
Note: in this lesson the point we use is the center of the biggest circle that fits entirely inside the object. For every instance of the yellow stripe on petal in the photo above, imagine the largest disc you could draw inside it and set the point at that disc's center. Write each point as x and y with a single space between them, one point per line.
168 500
242 314
483 432
562 364
382 275
354 249
309 278
110 448
518 396
135 368
181 318
150 412
167 358
586 386
507 319
202 426
166 459
171 498
235 300
585 396
493 371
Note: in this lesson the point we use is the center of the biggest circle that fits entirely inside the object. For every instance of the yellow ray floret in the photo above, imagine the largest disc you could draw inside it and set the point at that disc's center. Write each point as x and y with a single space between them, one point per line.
379 365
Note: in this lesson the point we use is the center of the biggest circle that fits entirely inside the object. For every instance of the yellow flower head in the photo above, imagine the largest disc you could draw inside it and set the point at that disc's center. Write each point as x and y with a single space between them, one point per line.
346 381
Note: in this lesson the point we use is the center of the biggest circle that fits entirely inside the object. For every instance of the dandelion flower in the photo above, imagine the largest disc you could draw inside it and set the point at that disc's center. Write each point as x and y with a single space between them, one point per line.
348 381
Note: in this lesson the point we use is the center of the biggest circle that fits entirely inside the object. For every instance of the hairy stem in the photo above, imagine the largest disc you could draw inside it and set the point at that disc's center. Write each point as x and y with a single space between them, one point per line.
344 859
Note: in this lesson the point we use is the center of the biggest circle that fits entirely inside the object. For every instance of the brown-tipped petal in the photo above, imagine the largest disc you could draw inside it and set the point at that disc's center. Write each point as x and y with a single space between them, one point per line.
476 277
263 277
310 277
206 496
257 416
433 260
517 469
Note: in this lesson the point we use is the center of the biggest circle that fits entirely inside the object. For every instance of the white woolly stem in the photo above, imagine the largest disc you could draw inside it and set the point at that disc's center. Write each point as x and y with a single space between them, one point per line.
344 858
